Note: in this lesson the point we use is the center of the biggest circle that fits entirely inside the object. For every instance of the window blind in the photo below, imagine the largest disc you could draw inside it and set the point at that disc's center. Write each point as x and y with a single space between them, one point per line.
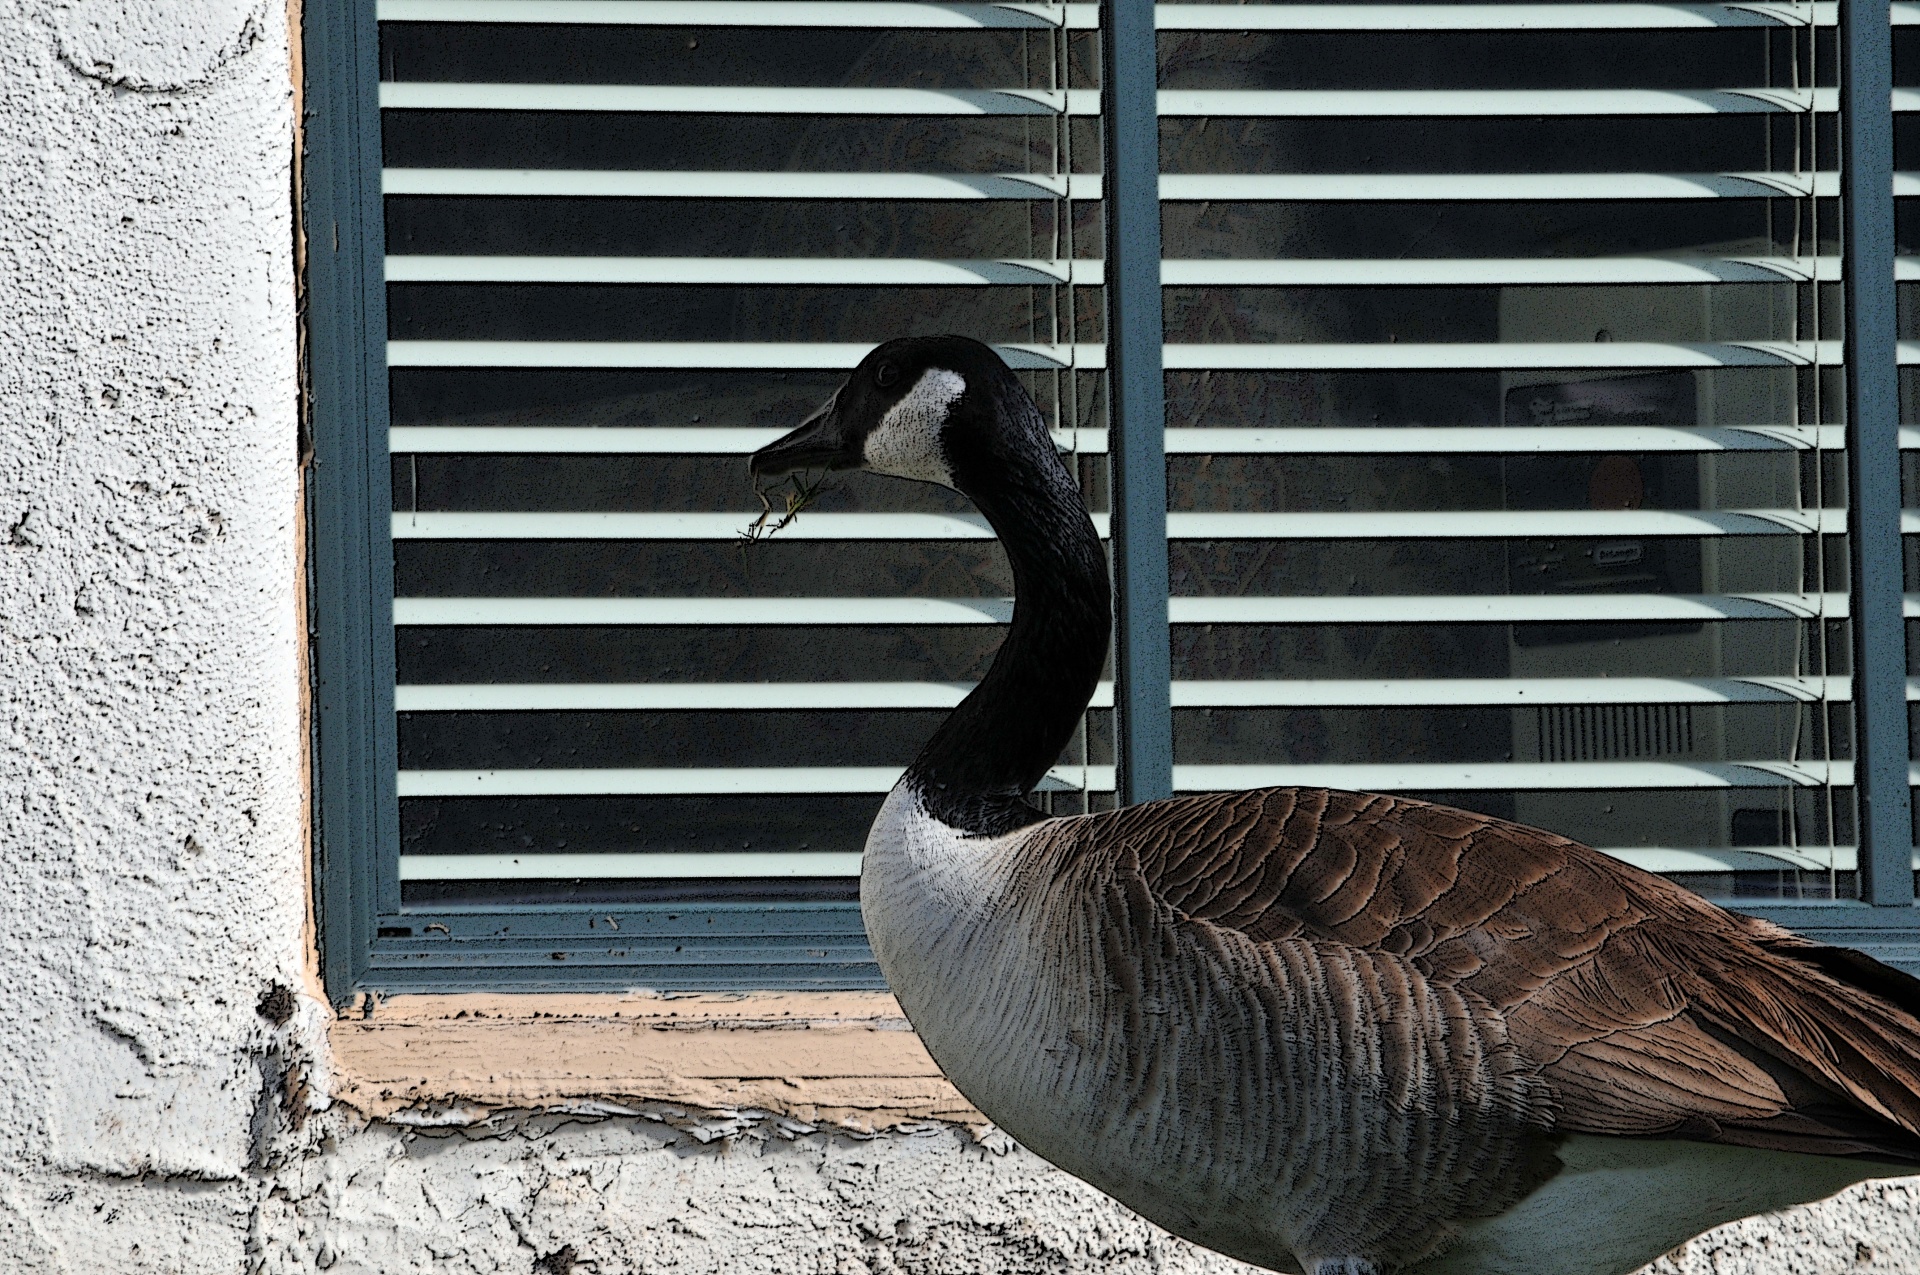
1528 318
629 243
1505 447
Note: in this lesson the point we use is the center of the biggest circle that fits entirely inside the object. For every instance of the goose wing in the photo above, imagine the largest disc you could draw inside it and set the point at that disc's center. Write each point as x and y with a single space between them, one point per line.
1649 1011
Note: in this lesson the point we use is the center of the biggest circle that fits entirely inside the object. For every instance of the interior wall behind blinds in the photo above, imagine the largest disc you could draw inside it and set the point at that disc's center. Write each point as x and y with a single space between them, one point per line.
628 243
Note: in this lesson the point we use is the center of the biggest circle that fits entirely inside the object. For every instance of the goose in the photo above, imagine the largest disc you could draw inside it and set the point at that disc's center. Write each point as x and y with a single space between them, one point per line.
1326 1033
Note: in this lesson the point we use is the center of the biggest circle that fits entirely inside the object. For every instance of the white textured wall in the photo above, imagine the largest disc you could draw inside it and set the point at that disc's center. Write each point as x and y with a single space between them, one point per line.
149 780
628 1196
151 855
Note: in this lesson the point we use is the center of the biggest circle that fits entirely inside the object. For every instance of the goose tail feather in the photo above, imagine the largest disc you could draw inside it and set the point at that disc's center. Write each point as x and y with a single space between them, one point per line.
1839 1017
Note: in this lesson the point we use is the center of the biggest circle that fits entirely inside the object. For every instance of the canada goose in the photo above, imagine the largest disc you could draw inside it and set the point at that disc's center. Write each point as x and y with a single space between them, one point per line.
1327 1032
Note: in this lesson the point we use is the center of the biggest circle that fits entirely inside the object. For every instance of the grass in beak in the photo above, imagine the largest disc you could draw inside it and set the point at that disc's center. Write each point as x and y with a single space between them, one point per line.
797 493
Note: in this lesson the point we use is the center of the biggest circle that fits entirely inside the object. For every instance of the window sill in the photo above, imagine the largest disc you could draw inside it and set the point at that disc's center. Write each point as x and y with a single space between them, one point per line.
1890 935
845 1059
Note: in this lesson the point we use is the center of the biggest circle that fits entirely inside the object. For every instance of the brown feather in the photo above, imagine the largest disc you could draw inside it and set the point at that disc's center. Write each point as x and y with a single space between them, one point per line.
1647 1010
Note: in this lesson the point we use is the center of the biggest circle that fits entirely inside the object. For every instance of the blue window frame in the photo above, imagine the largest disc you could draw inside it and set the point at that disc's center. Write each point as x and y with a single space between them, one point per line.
1213 683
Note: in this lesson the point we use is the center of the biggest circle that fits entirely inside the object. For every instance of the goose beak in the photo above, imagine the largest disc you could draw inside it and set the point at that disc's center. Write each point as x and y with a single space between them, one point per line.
820 442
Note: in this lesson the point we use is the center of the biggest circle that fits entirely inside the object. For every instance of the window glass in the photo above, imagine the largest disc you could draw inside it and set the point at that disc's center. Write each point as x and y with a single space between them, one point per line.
1503 426
1503 403
620 257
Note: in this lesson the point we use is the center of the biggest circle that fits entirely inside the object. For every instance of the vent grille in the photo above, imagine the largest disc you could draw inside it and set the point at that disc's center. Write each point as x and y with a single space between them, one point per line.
1614 732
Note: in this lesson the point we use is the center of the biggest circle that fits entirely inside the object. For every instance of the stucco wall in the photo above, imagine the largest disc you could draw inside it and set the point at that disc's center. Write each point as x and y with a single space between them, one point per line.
162 1106
150 790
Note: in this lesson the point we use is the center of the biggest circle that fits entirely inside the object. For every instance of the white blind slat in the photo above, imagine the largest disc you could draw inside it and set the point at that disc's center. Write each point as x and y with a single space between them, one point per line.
632 184
1246 356
1461 692
854 14
530 866
1358 777
1495 608
702 99
1328 441
1167 17
1188 187
729 612
1232 272
1364 525
1279 103
614 865
1435 609
720 355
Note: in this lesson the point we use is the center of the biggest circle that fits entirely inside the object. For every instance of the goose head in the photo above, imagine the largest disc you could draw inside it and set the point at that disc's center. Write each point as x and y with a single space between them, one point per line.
942 409
947 410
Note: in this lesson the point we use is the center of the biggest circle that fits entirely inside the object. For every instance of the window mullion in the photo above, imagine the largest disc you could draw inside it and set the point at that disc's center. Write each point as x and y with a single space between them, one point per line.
1130 162
1873 456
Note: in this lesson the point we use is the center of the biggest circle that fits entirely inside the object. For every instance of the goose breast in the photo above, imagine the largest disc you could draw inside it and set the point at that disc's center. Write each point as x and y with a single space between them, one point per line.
1238 1093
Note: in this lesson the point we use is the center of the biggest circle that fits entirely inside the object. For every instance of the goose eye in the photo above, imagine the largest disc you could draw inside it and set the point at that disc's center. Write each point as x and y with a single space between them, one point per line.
886 375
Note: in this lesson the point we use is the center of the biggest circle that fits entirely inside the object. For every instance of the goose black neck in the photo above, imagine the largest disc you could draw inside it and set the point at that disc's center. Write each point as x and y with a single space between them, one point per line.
977 769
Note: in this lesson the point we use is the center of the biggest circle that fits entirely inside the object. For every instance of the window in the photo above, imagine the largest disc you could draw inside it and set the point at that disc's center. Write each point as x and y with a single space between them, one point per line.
1503 360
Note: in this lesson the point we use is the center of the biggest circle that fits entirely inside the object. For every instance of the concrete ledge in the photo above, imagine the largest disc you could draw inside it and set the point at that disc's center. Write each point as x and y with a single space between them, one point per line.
825 1058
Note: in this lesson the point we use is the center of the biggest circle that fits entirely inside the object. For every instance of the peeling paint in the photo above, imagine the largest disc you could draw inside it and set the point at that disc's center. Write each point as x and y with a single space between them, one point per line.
846 1060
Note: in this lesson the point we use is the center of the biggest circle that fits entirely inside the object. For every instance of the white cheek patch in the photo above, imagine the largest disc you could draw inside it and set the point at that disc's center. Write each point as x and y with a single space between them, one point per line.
906 443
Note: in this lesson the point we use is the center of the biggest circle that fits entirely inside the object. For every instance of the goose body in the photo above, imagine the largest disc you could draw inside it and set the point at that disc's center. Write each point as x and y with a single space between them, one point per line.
1325 1032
